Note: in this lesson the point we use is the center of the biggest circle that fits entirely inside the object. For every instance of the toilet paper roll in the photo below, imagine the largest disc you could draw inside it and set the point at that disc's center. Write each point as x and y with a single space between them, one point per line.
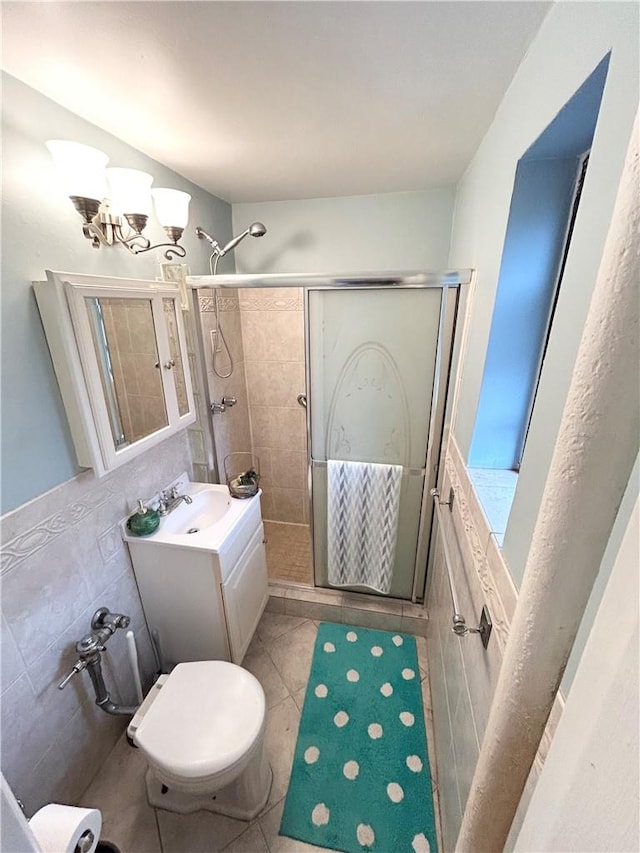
64 829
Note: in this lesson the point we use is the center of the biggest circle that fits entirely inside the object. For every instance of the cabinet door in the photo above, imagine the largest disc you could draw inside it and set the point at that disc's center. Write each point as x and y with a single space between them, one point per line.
245 595
119 351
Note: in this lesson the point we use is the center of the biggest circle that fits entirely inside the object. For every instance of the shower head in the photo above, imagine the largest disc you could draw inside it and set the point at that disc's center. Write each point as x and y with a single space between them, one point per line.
256 229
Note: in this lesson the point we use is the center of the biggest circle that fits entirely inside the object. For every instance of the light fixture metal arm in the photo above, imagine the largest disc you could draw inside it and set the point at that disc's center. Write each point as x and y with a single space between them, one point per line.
106 229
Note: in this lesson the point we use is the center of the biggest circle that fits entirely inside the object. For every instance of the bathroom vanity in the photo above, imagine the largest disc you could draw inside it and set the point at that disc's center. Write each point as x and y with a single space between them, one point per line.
202 575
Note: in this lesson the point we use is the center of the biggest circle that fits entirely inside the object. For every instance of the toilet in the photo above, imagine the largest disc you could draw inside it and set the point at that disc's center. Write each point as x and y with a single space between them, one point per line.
201 730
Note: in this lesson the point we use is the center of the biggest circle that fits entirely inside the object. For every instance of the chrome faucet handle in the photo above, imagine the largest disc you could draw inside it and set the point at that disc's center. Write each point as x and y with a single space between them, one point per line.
78 666
103 618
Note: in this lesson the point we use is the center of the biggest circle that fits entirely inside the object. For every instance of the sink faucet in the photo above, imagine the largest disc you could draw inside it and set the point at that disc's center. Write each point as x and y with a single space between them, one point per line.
170 499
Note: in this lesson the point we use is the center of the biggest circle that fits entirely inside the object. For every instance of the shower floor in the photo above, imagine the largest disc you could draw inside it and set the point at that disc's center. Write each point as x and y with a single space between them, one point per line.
288 552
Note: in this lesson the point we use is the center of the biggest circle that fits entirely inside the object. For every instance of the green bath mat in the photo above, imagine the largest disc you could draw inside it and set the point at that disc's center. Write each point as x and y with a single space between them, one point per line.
360 778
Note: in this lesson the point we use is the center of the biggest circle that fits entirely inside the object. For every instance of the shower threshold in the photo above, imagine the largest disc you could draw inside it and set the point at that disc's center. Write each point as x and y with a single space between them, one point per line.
350 608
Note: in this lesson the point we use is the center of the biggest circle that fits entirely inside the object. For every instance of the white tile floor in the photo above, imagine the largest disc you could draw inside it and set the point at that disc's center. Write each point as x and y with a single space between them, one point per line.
280 657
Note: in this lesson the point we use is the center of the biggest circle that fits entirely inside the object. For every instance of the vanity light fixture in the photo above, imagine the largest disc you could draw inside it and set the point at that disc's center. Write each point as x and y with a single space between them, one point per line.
116 203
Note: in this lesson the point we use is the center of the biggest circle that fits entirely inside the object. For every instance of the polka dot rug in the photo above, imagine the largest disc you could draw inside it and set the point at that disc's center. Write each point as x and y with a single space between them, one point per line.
360 778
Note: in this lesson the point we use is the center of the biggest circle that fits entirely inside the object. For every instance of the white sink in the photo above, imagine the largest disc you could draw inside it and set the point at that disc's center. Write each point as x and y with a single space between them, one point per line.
207 507
203 592
218 522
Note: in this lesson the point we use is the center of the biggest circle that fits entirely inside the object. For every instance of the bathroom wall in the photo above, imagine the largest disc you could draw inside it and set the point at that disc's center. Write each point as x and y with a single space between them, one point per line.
41 230
588 793
62 558
390 231
547 78
463 675
552 71
62 555
273 335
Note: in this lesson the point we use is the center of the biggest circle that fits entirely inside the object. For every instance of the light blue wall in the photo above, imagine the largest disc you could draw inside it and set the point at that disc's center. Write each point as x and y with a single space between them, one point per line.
368 233
536 229
41 230
538 215
573 39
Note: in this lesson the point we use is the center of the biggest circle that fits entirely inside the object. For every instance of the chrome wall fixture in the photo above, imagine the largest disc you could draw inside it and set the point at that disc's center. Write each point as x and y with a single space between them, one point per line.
256 229
115 203
459 623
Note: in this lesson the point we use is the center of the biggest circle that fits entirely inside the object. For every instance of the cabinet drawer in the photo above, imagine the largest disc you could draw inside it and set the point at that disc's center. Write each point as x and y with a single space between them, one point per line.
245 595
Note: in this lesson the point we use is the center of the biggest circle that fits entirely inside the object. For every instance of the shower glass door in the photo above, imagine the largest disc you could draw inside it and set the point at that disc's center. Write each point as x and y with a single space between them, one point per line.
372 363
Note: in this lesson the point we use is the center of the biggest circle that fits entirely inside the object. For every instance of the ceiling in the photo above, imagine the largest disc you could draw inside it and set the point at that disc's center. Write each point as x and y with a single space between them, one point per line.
264 101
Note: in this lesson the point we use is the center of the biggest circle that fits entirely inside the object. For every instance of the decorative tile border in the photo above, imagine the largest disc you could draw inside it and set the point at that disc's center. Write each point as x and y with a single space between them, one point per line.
495 579
463 490
225 303
25 545
264 301
109 542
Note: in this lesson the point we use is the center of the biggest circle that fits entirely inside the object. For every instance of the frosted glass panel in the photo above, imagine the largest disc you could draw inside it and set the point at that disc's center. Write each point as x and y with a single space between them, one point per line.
372 364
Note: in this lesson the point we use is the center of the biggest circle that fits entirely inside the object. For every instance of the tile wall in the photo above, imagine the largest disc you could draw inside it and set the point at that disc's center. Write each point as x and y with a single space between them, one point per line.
463 673
273 335
62 558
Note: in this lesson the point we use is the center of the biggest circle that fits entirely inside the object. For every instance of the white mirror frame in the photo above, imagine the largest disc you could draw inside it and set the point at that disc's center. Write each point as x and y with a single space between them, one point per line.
62 305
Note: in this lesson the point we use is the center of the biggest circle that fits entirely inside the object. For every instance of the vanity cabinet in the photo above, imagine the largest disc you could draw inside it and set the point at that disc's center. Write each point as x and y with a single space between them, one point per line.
119 352
201 604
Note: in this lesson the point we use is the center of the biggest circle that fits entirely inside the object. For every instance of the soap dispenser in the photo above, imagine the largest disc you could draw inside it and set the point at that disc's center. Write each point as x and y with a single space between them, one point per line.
143 522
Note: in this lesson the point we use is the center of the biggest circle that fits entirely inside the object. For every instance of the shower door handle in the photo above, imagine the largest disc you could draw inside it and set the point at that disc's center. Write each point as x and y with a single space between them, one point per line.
302 400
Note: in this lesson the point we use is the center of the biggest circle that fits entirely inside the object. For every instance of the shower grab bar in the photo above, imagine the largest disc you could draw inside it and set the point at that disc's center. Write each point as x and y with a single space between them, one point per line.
411 472
459 623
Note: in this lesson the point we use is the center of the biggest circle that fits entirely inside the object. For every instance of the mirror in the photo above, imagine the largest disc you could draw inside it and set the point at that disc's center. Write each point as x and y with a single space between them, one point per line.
124 341
120 354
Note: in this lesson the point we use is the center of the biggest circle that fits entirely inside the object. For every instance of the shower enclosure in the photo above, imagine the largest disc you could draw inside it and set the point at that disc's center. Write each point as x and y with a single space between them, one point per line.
370 356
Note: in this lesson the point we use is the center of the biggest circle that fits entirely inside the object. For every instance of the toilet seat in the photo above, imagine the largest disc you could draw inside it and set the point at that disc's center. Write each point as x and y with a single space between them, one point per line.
205 722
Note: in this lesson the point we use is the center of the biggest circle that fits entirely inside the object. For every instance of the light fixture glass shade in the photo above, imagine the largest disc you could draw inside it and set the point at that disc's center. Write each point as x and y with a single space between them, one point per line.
130 191
80 167
172 207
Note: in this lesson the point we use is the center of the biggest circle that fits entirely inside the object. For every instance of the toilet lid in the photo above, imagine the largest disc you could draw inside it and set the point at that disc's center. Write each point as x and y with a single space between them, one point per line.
205 718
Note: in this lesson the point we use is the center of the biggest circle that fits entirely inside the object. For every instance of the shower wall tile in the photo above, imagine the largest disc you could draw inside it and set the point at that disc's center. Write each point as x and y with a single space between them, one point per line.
265 457
279 428
60 562
231 329
288 505
273 335
275 383
232 428
289 469
266 505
